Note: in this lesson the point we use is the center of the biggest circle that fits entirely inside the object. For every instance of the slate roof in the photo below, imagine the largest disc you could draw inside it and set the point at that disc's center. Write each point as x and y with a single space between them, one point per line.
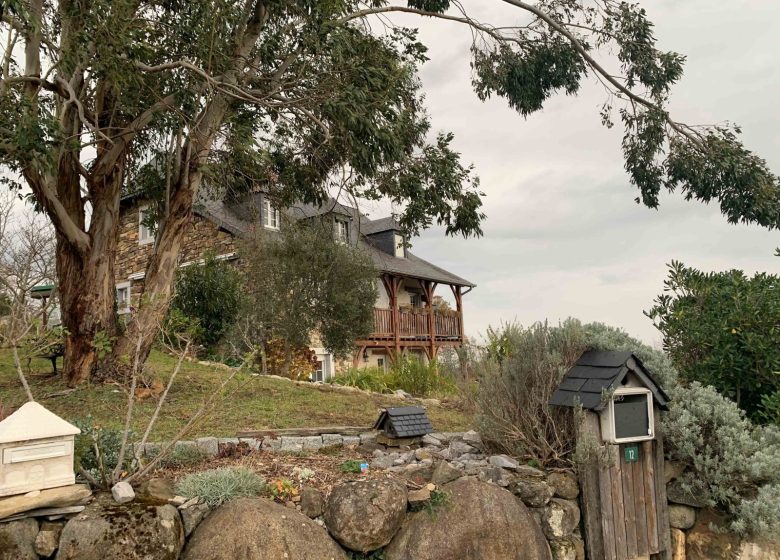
412 266
237 217
370 227
600 372
403 422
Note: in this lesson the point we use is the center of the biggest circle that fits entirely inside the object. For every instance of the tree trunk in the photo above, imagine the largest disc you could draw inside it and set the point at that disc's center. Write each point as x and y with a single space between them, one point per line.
87 292
158 282
161 270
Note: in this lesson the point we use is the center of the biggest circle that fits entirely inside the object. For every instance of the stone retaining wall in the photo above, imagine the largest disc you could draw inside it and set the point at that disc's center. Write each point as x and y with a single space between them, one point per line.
494 504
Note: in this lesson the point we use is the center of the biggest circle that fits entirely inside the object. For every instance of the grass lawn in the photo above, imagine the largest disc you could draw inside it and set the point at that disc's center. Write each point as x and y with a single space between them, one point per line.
248 403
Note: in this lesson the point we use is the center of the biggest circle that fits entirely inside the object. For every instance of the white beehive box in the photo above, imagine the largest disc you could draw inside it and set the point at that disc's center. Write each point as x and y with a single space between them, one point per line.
36 451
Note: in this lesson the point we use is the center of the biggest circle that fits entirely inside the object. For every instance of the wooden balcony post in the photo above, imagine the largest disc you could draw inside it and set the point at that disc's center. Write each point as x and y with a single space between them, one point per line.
458 294
392 284
429 287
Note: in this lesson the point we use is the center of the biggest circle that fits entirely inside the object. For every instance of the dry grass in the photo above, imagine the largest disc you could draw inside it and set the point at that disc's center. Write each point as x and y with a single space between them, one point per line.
250 403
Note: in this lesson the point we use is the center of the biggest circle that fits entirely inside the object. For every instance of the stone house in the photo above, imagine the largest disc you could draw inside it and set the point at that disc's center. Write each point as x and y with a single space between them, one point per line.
407 316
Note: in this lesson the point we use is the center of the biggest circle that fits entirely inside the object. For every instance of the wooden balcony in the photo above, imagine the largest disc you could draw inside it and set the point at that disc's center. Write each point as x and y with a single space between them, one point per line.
414 326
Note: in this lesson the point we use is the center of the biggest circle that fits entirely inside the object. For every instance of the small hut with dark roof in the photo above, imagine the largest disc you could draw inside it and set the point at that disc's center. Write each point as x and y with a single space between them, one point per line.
623 489
404 422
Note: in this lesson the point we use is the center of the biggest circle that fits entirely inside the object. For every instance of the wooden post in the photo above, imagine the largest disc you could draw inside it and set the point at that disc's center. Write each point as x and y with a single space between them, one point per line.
429 287
392 284
458 295
358 355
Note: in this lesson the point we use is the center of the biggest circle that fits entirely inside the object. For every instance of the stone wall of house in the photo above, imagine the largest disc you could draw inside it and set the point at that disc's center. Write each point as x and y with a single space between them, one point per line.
132 256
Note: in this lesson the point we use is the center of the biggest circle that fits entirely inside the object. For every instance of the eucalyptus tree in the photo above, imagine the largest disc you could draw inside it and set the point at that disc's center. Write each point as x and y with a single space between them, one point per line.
299 96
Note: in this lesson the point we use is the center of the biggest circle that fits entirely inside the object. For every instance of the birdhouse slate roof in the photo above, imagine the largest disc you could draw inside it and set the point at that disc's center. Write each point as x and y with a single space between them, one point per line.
403 422
33 421
597 373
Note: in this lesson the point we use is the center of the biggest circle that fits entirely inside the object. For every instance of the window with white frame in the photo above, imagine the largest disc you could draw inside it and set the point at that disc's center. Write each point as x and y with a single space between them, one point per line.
145 231
123 297
342 231
272 218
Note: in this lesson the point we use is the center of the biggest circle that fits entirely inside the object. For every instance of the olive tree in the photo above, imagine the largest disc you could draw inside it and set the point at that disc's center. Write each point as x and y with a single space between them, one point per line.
287 94
302 283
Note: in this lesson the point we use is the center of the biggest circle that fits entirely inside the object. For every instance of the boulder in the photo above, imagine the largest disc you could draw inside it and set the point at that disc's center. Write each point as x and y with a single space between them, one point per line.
570 548
676 494
62 496
672 470
312 502
503 461
678 544
702 543
156 490
560 518
564 485
681 517
444 473
134 531
419 497
48 538
192 514
496 475
364 515
420 474
477 521
259 529
17 540
534 492
473 438
123 492
759 550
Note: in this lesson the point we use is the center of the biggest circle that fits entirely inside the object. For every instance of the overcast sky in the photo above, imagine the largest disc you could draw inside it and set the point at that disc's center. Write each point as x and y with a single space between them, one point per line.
563 236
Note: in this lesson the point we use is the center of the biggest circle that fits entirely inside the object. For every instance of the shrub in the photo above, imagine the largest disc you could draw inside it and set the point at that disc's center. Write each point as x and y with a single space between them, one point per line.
350 466
181 456
410 374
513 413
732 464
210 293
419 378
96 449
368 379
217 486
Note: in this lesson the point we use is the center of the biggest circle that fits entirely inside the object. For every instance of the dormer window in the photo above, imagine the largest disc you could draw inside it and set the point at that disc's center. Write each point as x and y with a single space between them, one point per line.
342 231
272 218
145 230
399 245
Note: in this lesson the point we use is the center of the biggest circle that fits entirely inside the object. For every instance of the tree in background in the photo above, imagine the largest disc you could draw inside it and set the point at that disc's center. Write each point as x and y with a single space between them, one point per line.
292 93
301 283
723 329
210 294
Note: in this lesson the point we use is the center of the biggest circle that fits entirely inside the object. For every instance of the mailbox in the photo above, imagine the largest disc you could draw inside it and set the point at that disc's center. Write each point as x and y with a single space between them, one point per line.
628 416
36 451
623 489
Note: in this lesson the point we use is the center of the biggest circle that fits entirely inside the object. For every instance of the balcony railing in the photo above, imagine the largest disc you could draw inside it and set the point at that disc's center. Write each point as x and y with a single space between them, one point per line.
413 325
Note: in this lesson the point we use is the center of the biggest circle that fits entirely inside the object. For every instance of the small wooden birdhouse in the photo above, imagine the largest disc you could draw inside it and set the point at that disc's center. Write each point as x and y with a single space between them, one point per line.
404 422
36 448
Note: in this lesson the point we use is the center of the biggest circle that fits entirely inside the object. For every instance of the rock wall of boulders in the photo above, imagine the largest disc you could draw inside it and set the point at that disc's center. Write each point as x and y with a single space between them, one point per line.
442 499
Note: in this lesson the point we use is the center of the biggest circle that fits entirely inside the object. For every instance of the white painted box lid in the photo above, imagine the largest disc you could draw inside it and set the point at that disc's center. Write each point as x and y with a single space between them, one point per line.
33 421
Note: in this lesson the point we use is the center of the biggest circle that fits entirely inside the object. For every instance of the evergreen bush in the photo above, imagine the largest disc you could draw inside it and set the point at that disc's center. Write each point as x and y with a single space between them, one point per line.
209 293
